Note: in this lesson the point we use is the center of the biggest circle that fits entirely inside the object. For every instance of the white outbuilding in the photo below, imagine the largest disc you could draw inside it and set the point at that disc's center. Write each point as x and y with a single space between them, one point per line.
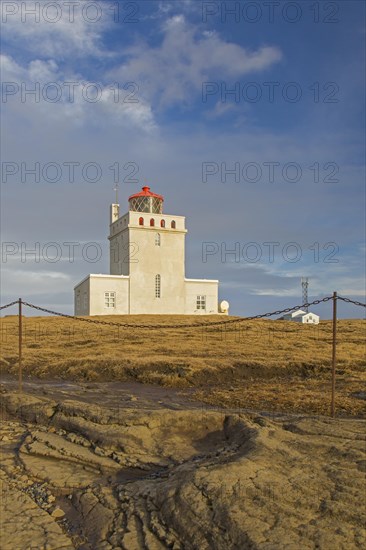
300 316
147 267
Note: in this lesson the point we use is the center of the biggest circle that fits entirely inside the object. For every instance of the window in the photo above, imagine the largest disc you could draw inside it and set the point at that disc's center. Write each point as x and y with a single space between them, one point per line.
152 222
78 299
162 223
157 286
110 299
172 224
147 204
157 239
141 221
201 302
85 300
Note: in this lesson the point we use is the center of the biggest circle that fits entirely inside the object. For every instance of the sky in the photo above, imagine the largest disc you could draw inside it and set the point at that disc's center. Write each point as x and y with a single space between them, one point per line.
249 117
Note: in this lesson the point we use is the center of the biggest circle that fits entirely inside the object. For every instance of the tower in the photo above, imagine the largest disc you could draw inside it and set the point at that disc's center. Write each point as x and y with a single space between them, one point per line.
149 247
305 285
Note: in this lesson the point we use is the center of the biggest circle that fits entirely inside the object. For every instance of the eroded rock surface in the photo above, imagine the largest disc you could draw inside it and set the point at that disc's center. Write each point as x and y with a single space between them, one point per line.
80 475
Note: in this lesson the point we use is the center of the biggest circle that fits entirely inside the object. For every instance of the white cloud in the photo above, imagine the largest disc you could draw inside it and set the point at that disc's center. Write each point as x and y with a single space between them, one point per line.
71 34
111 108
166 7
221 109
174 71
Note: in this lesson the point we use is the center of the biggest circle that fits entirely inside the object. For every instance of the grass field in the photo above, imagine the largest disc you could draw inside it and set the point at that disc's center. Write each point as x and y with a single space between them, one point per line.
266 365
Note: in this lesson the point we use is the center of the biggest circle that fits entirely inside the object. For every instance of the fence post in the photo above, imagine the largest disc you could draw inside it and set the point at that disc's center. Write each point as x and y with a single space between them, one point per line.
20 338
334 352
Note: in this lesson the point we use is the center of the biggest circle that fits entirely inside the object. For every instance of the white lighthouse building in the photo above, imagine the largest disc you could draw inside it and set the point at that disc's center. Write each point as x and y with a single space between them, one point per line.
147 267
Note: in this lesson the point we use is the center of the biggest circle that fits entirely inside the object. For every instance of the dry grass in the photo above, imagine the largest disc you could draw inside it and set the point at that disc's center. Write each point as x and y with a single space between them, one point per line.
271 365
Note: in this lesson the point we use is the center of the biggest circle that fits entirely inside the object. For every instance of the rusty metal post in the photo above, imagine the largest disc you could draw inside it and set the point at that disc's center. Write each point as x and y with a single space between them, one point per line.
20 337
334 353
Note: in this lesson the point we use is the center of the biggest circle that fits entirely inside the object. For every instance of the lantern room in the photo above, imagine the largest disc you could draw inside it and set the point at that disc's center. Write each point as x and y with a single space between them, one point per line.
146 201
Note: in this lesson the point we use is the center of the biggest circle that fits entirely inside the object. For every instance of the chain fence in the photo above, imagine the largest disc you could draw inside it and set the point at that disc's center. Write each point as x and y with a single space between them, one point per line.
186 325
8 305
349 301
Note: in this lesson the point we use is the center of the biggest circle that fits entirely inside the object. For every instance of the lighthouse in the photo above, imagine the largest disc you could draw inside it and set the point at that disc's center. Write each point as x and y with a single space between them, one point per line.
147 266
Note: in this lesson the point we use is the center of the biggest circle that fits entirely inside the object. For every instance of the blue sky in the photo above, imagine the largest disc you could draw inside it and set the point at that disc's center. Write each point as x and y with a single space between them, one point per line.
171 124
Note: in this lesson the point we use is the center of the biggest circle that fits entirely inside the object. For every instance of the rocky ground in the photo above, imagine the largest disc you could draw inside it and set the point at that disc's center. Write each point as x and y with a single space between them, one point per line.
108 466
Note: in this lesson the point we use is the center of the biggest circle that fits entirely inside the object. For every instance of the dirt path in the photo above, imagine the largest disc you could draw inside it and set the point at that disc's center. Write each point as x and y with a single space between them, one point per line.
108 394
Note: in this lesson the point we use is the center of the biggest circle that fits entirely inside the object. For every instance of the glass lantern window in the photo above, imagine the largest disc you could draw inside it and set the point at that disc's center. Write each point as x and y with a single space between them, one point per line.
146 204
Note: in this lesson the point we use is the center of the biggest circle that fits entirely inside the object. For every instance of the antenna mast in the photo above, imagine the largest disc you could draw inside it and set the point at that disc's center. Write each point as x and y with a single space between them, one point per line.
305 285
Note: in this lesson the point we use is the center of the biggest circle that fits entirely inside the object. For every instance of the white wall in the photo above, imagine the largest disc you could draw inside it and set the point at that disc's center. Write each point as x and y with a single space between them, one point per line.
149 260
119 247
81 298
201 287
95 286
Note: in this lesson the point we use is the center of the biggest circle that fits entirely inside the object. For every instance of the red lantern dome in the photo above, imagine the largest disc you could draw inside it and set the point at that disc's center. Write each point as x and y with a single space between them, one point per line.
146 201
